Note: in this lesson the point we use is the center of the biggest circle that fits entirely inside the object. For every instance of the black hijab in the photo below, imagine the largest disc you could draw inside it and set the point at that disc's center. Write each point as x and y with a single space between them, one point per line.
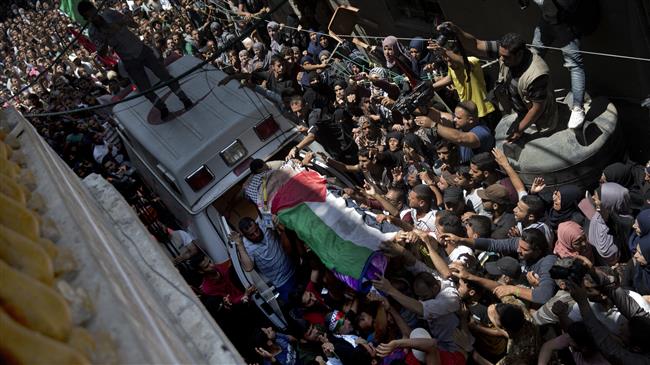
641 277
627 176
619 173
570 196
392 158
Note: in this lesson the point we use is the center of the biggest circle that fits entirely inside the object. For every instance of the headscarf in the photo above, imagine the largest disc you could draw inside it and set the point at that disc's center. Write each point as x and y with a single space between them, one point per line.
248 65
306 58
570 196
391 42
420 44
567 232
414 142
259 46
628 176
641 276
379 71
357 58
314 48
335 320
619 173
264 59
614 199
325 53
393 158
643 220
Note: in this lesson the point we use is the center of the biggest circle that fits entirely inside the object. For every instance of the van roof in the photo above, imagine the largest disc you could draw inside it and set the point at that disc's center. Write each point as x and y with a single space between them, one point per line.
221 115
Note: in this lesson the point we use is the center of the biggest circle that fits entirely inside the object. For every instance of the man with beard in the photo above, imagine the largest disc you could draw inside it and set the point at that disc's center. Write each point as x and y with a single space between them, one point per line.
497 203
260 247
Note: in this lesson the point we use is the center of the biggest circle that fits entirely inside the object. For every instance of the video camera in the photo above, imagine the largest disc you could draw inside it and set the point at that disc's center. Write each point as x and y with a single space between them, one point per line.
421 95
576 272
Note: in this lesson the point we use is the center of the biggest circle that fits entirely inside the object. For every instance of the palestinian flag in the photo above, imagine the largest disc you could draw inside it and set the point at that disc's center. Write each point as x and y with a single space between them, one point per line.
70 8
335 232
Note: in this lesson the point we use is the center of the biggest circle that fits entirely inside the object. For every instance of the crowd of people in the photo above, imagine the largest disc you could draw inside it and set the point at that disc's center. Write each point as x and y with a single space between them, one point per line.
481 269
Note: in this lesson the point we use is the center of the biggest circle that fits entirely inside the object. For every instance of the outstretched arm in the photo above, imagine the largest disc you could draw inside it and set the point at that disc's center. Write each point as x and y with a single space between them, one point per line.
502 160
471 44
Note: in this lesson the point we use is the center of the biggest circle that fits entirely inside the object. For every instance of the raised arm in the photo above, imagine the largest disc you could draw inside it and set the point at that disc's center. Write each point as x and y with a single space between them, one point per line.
407 302
502 160
432 246
471 44
340 166
453 135
244 259
385 204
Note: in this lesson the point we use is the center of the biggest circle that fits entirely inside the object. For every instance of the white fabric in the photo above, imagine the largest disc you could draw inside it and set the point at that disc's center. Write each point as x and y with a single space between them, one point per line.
348 223
456 254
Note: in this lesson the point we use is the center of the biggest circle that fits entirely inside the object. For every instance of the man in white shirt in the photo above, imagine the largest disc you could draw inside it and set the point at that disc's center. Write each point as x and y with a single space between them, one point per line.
422 214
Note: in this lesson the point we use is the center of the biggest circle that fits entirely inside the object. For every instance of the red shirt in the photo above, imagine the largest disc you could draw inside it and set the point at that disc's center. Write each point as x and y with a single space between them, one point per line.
314 317
222 287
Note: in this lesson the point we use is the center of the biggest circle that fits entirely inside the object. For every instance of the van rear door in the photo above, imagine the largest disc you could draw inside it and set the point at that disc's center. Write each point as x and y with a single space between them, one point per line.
266 296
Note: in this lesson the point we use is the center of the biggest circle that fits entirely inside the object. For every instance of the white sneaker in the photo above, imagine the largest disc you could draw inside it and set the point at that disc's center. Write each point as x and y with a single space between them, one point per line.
577 117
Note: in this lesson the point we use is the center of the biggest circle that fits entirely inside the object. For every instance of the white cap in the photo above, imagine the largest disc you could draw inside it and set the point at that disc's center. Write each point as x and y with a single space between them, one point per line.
419 333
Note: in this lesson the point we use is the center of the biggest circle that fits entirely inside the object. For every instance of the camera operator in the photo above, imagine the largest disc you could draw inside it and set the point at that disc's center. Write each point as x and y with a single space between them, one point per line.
524 84
472 135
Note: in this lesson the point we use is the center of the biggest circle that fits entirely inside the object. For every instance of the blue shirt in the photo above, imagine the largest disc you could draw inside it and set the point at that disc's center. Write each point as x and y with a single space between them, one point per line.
485 137
269 258
288 354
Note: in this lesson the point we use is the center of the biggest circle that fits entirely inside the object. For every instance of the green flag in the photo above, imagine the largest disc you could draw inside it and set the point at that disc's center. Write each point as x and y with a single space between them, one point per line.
70 7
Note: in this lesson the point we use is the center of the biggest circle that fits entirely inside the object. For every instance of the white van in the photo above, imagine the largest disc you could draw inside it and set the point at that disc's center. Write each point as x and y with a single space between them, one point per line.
198 161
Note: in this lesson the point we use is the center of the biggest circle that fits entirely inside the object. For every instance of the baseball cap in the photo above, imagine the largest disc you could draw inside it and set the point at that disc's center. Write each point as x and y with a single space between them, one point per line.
507 266
419 333
496 193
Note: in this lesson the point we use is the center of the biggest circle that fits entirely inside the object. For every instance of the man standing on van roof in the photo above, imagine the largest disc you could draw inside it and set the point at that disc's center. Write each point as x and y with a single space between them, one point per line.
110 28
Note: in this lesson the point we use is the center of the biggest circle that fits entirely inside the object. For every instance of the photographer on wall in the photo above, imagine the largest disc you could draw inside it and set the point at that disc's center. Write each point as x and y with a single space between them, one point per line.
523 85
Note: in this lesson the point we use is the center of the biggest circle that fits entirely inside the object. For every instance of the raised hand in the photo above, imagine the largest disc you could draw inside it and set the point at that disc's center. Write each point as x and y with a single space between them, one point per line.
538 185
397 173
500 157
514 232
424 121
369 189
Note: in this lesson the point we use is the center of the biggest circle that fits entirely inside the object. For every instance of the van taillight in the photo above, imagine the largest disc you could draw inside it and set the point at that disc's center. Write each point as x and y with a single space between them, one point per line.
200 178
267 128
